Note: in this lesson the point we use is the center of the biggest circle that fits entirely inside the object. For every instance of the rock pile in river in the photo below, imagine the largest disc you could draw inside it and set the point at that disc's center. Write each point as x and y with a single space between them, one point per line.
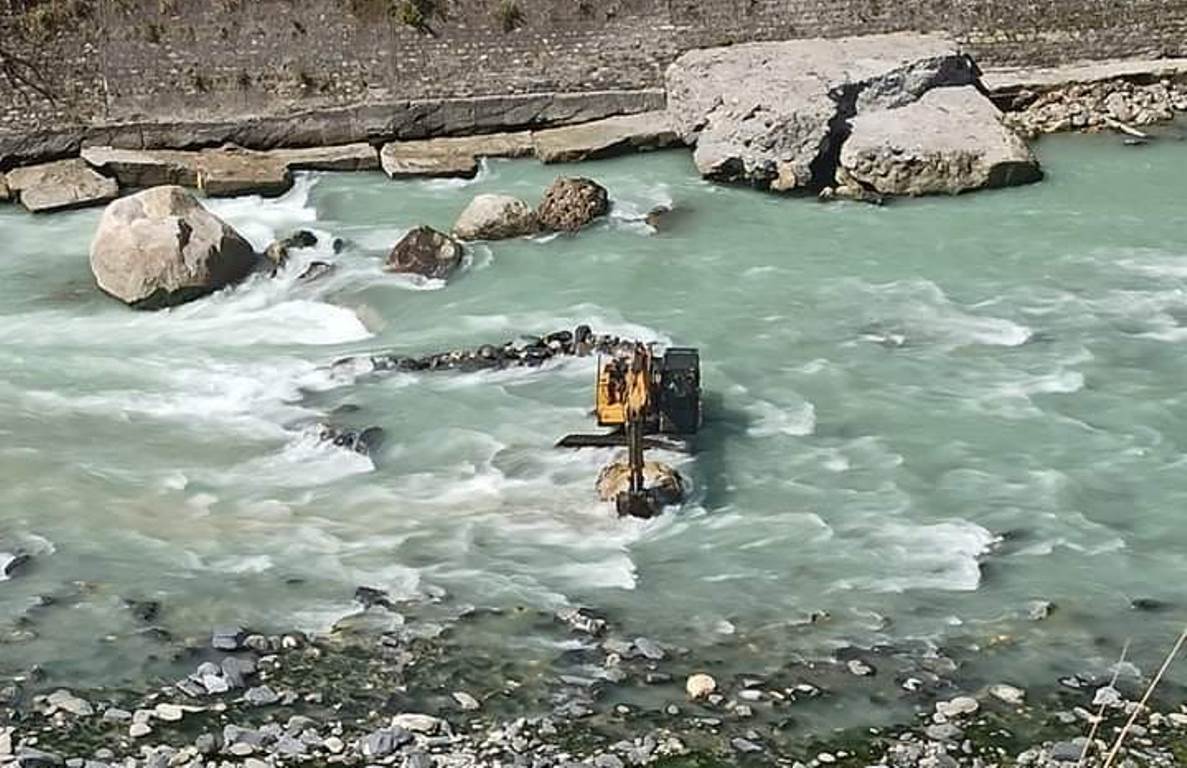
496 217
160 247
778 115
531 352
425 251
571 203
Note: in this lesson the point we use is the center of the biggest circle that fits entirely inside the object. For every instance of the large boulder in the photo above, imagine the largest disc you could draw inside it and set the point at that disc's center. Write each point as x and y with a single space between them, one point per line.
160 247
774 114
571 203
60 185
952 140
425 251
495 217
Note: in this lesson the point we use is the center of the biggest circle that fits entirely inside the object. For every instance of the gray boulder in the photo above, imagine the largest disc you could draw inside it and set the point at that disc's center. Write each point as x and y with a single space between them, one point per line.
774 114
951 140
160 248
571 203
425 251
495 217
60 186
603 138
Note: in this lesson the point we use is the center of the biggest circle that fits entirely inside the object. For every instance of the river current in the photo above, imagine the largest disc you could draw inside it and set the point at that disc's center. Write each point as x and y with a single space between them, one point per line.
920 418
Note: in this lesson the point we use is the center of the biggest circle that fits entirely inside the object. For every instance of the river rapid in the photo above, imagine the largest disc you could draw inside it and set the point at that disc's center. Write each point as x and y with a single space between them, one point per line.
920 418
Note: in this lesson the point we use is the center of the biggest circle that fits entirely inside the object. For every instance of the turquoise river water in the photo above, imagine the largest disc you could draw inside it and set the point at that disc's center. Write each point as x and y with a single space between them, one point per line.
919 418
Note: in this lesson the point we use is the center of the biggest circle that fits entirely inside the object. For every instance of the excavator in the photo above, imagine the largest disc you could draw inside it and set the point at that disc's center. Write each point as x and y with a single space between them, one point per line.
650 401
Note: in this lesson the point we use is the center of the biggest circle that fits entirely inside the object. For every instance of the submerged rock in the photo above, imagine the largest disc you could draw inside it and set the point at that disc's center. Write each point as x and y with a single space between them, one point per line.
278 251
774 115
60 186
361 441
495 217
571 203
951 140
425 251
160 248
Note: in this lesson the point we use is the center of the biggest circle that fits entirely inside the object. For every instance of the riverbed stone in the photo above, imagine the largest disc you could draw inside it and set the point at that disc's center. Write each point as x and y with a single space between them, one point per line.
417 723
773 114
450 156
68 702
160 247
60 186
700 686
951 140
495 217
1008 694
960 706
261 696
425 251
604 138
571 203
29 757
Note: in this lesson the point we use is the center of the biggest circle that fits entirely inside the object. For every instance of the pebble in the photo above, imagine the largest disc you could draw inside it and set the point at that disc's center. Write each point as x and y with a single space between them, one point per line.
745 745
1108 696
750 694
467 702
1177 719
117 715
334 745
417 723
649 649
261 696
957 707
1067 751
700 686
826 758
139 729
36 758
169 712
1008 694
229 638
68 702
860 668
944 732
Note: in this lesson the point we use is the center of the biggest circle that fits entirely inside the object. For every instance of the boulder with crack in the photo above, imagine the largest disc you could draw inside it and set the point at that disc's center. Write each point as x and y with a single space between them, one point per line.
951 140
774 115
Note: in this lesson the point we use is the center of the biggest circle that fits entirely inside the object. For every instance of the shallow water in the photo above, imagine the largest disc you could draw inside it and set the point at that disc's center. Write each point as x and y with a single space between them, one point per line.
919 418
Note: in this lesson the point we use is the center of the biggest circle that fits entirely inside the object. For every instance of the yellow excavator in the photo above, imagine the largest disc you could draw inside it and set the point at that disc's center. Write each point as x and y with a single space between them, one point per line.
652 402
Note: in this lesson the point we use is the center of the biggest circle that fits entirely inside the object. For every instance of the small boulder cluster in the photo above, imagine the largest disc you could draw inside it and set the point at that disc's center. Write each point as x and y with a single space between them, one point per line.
568 205
1106 105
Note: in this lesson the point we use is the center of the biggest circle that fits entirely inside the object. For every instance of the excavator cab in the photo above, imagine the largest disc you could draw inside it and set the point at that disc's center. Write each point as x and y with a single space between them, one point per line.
652 402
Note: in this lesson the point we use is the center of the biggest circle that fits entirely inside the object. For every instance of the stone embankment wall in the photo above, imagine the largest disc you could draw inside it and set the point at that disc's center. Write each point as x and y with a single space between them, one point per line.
75 62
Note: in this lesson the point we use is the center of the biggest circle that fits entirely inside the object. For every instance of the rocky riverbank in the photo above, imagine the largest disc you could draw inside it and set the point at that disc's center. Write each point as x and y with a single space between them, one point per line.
866 117
389 686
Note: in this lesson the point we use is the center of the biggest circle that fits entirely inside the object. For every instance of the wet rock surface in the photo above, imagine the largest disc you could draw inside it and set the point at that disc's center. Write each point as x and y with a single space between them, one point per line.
572 203
426 252
161 247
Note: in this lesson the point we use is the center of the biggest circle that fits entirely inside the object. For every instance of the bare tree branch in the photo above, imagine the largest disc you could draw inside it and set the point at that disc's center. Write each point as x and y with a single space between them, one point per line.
23 77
